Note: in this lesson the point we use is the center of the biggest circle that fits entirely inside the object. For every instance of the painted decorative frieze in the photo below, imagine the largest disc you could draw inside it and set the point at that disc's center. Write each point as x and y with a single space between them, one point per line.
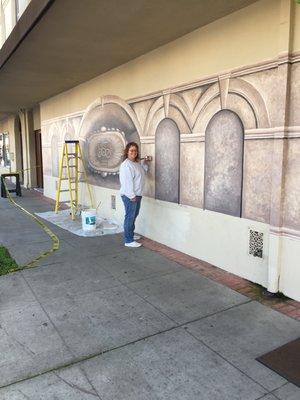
212 142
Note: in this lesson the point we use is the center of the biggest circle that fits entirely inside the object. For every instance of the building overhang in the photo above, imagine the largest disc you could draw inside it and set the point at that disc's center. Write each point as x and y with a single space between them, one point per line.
59 44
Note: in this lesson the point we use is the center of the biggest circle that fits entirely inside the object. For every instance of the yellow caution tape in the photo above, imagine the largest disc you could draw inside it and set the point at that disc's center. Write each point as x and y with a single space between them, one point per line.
54 238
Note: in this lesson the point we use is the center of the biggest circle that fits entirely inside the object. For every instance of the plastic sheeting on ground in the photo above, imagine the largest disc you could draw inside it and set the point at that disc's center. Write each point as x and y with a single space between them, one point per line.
63 220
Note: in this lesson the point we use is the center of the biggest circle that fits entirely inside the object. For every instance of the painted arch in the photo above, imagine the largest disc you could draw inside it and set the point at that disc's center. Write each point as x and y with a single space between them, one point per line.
223 175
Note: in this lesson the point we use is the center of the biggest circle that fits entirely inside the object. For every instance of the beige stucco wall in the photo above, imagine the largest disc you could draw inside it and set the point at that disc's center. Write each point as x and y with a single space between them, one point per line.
296 28
245 37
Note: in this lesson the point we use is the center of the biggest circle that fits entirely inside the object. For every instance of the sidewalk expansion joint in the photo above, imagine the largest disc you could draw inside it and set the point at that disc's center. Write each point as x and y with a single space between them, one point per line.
229 362
279 387
81 359
76 387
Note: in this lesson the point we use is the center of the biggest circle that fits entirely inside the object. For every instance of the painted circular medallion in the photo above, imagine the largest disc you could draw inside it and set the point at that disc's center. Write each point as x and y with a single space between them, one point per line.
105 150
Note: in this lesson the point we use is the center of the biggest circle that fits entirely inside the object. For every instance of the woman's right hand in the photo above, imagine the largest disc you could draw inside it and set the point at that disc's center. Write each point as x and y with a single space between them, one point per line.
133 199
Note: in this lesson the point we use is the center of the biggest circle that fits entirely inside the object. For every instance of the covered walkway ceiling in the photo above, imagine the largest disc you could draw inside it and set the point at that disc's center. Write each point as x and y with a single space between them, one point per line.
76 40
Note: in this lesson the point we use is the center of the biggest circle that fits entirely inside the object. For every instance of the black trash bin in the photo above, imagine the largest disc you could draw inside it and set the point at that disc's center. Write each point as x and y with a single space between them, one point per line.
16 190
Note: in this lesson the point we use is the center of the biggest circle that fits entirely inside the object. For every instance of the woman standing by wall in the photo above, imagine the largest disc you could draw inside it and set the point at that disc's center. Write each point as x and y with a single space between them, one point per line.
132 178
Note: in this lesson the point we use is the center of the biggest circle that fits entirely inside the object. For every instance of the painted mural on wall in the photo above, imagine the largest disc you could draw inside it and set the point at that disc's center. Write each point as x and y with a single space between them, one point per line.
53 137
206 141
106 127
224 148
167 153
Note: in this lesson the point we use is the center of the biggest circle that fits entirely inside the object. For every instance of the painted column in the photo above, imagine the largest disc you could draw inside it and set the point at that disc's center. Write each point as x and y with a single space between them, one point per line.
18 148
28 141
280 146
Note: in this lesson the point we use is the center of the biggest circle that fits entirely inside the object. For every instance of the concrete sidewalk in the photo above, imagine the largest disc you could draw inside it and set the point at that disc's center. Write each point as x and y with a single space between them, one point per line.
97 320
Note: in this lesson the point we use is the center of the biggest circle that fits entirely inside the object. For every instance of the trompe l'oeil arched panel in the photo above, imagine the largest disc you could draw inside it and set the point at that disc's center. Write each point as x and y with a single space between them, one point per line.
224 143
167 146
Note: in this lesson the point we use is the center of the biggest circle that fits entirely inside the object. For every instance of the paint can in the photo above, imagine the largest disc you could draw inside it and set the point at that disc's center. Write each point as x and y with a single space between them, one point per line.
88 218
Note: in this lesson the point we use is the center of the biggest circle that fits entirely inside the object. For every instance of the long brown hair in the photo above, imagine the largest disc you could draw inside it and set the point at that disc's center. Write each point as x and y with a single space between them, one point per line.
131 144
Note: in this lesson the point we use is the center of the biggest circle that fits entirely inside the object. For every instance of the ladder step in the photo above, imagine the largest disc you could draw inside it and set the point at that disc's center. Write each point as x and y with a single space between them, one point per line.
67 190
68 202
66 179
73 166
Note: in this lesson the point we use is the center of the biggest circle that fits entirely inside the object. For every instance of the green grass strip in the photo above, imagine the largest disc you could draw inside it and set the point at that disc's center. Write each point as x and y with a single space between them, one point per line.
7 263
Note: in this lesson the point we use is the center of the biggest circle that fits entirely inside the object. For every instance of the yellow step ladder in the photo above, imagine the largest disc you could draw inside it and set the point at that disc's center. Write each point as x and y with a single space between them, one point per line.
69 171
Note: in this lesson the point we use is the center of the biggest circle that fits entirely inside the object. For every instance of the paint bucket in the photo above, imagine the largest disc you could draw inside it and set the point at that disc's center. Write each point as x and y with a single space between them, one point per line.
88 218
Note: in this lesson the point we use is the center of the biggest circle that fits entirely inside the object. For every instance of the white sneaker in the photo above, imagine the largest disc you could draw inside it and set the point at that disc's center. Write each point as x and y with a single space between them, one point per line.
133 244
136 237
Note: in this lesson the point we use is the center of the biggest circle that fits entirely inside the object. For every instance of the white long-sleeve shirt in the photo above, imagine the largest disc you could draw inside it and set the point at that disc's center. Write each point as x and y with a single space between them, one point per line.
132 178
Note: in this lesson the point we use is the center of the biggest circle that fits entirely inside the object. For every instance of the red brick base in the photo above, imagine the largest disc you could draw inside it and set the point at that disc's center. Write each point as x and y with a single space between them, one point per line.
282 304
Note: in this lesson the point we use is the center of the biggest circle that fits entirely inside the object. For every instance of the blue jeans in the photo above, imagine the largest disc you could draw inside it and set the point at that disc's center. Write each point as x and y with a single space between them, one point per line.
132 209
